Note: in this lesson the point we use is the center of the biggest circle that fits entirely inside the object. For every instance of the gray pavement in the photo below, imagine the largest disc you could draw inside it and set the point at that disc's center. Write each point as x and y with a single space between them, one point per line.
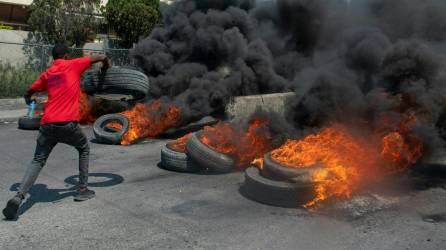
145 207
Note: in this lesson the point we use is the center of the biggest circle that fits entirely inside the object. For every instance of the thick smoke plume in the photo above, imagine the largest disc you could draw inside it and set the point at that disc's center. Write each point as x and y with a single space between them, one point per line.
347 61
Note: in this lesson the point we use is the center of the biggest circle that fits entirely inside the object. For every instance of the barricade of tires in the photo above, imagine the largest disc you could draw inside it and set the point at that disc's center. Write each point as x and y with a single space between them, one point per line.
178 161
275 184
279 185
195 157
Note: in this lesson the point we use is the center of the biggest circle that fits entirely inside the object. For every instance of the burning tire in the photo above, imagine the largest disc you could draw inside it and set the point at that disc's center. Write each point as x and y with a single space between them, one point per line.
277 171
208 158
273 192
26 123
120 81
177 161
108 135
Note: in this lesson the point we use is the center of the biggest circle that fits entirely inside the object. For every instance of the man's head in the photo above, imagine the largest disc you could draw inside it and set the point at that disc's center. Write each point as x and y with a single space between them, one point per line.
60 51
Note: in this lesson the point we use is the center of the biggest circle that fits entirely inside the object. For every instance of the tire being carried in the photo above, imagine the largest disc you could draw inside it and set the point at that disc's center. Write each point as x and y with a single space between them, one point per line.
122 81
107 135
26 123
207 158
177 161
276 193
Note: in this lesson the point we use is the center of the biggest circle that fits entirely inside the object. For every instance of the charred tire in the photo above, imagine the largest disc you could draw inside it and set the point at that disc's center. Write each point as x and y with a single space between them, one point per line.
177 161
26 123
273 192
207 158
109 136
117 81
277 171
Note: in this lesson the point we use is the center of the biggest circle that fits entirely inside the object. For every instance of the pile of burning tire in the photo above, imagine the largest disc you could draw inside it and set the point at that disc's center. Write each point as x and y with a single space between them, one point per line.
333 162
273 184
116 90
189 154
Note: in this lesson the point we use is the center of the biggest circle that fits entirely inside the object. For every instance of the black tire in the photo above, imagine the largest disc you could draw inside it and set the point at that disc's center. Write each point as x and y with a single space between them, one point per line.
117 81
26 123
177 161
276 193
109 136
276 171
192 127
207 158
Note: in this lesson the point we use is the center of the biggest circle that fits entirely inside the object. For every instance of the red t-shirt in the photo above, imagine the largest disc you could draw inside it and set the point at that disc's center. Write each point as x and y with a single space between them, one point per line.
62 81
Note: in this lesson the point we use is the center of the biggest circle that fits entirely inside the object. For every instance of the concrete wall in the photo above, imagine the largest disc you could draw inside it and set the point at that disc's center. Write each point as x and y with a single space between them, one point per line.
12 53
243 106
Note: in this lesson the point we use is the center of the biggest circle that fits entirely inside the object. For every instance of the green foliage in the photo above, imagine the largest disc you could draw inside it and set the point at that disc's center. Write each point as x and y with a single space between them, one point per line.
5 27
70 21
14 81
132 19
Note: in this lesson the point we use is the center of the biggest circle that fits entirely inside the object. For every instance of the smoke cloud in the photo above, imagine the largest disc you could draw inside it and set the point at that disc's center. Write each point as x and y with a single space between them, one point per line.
347 61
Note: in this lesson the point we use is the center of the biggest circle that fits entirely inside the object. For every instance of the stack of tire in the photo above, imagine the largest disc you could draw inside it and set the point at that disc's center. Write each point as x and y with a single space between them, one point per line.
129 83
198 157
279 185
117 81
116 90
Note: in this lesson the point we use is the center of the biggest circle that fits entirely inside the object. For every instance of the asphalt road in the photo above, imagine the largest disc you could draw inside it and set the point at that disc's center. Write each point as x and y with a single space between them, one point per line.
140 206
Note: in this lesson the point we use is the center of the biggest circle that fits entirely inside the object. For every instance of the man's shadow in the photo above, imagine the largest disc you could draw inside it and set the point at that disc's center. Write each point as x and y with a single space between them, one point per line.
40 193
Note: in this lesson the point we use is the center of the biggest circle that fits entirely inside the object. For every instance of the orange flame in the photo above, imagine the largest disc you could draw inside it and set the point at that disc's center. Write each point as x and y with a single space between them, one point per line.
179 144
347 161
259 163
149 120
85 109
243 146
114 125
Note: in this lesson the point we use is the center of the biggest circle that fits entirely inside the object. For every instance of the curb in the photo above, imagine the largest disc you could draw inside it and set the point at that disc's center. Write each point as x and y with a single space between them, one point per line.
11 109
12 115
12 101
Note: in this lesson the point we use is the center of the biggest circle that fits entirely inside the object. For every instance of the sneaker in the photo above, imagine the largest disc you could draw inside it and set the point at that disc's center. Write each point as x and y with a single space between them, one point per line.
84 195
10 211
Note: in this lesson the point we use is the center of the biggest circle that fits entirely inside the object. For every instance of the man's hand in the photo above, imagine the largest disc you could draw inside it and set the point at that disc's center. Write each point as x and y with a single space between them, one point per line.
29 96
101 58
106 64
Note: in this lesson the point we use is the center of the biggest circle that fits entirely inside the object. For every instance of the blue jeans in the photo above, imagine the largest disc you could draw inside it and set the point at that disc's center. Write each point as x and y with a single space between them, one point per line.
49 135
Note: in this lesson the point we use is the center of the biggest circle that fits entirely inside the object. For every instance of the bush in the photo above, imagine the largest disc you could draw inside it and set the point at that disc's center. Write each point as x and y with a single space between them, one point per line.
14 81
132 19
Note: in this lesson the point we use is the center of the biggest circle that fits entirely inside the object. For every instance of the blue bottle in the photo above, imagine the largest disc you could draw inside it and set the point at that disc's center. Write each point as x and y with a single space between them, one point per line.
31 109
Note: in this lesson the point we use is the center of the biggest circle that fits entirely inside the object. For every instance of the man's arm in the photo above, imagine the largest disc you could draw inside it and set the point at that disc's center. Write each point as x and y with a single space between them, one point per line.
41 84
101 58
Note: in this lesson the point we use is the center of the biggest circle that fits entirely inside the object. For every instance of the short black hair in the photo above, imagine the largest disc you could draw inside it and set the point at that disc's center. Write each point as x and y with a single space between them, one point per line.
59 51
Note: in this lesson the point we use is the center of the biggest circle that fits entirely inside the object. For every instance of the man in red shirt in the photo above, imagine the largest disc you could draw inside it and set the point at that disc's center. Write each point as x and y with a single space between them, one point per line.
59 122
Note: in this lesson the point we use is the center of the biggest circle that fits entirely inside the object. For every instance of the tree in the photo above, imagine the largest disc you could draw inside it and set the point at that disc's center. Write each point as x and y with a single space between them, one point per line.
132 19
73 22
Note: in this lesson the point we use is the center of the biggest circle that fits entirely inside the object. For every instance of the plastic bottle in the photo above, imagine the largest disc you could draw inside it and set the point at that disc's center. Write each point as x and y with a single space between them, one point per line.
31 109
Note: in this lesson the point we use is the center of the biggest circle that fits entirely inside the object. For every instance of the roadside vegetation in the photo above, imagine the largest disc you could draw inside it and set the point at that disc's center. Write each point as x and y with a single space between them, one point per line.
132 19
15 80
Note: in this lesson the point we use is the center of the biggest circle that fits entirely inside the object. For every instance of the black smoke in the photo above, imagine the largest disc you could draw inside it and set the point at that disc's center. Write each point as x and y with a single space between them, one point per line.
347 61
